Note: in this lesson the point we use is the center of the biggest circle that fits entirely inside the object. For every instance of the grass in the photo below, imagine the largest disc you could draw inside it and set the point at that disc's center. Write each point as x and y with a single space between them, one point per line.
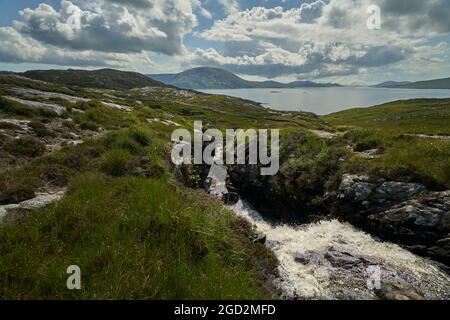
416 116
11 107
25 147
17 186
117 162
138 239
144 238
390 128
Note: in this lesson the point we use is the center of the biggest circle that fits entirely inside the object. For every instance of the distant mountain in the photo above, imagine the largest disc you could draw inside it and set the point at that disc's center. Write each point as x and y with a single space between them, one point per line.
215 78
428 84
388 84
103 78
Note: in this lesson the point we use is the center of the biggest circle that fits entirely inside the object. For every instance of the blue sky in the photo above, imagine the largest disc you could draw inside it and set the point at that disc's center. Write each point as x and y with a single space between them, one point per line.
321 40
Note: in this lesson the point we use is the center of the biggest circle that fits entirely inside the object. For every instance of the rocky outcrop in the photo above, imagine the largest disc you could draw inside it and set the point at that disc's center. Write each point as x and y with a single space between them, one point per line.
406 213
361 276
51 107
41 200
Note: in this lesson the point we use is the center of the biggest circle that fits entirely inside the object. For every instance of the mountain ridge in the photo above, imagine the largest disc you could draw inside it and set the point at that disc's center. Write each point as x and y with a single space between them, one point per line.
101 78
215 78
443 83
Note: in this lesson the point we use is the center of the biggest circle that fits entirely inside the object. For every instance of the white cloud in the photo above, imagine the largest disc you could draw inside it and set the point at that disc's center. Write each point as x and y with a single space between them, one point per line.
321 39
230 6
198 6
15 48
159 27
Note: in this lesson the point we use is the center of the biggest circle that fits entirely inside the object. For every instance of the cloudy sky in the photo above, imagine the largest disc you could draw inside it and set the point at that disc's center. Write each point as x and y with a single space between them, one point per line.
322 40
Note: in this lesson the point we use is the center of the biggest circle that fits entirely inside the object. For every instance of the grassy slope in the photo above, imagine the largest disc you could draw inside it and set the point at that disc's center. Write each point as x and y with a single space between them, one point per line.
426 116
388 128
104 78
132 236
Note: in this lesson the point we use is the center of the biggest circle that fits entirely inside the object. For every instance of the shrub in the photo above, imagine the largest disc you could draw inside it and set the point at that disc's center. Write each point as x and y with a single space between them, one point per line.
9 126
16 187
117 163
26 146
88 125
69 124
3 139
40 129
57 175
141 136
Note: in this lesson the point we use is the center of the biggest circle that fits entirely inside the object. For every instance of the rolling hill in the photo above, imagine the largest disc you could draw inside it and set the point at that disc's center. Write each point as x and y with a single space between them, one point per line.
103 78
389 84
427 84
215 78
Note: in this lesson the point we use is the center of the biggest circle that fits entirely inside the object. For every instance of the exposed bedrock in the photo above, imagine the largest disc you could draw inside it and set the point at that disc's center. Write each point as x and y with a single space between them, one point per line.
405 213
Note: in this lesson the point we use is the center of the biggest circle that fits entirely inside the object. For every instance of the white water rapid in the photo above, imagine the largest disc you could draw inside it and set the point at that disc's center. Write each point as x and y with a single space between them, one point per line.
333 260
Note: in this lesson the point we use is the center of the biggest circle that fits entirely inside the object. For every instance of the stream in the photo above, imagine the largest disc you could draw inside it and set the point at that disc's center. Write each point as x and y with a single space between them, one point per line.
334 260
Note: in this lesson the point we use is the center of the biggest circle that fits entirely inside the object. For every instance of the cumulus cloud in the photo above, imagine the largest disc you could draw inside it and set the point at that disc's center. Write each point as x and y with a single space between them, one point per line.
416 16
157 26
15 48
115 33
198 6
321 38
230 6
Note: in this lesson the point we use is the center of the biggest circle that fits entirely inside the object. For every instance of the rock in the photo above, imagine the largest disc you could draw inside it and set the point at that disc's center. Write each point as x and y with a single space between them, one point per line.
432 215
259 238
59 110
403 212
359 188
32 93
230 198
355 188
73 136
145 160
441 250
308 257
342 259
42 199
398 190
117 106
397 289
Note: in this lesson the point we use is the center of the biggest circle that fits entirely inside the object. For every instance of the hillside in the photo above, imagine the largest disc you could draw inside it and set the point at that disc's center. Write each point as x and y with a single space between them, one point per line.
428 84
388 84
103 78
421 116
215 78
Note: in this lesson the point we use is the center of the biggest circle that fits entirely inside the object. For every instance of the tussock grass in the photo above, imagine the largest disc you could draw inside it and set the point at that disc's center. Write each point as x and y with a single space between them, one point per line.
25 147
139 238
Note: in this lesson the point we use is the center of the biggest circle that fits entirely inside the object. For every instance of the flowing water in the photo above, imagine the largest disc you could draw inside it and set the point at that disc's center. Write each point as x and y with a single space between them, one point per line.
334 260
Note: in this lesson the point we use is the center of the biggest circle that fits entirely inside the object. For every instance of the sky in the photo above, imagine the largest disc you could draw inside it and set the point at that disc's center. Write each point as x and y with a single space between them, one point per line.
345 41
